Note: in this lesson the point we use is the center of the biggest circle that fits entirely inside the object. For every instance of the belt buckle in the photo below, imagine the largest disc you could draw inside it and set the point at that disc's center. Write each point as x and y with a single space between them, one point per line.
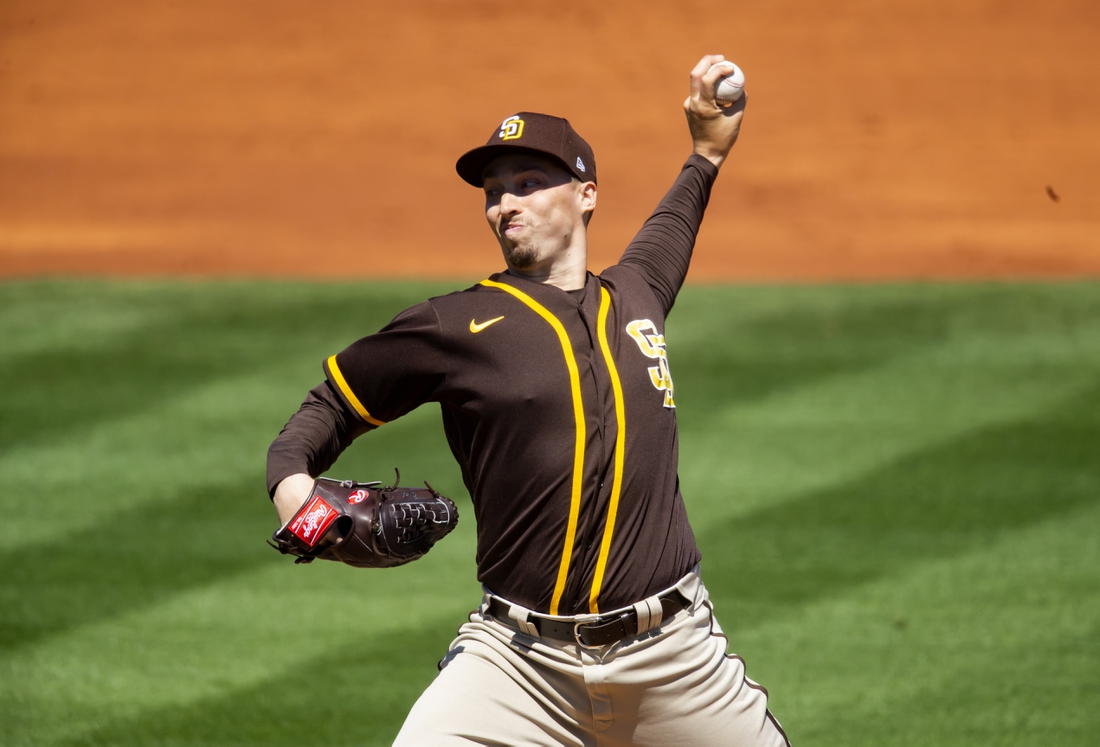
577 634
597 621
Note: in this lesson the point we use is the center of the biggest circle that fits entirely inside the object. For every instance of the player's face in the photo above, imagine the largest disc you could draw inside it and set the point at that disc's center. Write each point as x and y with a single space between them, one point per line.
535 208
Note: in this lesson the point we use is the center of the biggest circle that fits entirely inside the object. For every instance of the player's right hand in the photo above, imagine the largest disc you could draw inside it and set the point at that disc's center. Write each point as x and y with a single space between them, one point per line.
714 127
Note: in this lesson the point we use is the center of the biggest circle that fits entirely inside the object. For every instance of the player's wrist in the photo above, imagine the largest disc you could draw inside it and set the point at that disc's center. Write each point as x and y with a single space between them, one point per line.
290 494
717 157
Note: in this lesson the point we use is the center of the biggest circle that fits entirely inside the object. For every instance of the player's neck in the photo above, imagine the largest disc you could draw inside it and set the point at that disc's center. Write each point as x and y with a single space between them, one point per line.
567 270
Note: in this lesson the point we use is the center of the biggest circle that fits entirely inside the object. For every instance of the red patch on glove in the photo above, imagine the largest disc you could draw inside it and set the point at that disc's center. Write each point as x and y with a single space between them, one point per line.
358 496
311 524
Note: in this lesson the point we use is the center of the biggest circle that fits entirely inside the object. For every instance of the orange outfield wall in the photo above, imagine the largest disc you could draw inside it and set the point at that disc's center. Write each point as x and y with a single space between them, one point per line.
902 139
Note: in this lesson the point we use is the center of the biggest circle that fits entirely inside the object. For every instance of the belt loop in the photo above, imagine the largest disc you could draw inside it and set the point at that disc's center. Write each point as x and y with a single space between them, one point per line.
521 615
691 588
649 612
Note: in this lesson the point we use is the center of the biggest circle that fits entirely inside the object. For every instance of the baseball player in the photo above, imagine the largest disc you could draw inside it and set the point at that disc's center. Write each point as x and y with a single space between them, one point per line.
558 403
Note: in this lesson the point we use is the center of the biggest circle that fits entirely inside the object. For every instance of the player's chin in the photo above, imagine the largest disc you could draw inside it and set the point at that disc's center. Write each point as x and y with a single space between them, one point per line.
519 256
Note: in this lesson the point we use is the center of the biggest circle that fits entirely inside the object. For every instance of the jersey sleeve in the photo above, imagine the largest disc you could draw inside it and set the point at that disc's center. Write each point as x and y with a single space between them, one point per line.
313 438
390 373
661 250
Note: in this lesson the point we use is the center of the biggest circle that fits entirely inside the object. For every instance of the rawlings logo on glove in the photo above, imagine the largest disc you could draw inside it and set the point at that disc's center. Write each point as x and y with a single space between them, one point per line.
311 523
364 525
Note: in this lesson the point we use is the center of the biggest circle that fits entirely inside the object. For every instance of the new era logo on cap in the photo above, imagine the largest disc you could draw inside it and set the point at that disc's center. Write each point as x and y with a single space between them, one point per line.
531 131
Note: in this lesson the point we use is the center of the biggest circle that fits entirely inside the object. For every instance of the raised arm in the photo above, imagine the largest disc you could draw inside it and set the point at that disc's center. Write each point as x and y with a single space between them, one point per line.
661 251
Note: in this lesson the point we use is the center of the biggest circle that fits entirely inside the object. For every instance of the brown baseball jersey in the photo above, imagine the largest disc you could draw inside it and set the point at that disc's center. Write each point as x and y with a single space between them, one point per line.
559 408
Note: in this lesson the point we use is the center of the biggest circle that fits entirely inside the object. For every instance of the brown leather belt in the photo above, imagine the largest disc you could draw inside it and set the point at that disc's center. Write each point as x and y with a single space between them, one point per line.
590 633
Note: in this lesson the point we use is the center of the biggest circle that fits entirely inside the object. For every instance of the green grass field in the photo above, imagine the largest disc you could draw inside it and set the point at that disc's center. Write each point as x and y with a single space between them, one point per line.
896 489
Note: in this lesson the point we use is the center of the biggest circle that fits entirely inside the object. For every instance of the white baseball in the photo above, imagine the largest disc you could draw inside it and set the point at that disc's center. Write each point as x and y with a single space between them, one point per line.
730 87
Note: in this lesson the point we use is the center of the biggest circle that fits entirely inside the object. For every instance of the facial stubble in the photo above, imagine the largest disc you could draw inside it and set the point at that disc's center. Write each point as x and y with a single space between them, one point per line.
521 257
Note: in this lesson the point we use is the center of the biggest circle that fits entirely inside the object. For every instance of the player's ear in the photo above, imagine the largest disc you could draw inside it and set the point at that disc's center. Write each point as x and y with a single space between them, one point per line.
588 199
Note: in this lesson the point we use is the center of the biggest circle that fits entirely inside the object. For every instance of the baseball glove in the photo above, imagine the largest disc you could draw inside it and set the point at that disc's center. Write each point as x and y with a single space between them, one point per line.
364 525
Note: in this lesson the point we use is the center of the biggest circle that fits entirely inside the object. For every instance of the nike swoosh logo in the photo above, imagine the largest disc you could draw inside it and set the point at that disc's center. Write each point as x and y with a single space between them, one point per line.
475 327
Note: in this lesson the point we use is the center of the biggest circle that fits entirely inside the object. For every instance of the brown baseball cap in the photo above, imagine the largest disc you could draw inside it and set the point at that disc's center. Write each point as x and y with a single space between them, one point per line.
537 133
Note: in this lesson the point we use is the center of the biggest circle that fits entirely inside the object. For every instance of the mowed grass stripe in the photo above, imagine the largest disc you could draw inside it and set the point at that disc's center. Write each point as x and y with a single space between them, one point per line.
950 499
1031 345
350 697
832 432
180 533
896 369
195 440
135 558
994 647
271 629
195 334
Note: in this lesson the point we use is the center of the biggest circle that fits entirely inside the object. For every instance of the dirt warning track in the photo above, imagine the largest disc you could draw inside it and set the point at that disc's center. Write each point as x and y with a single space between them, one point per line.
920 138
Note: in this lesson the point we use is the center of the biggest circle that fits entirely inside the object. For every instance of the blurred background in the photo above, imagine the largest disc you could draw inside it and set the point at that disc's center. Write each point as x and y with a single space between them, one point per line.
915 138
887 358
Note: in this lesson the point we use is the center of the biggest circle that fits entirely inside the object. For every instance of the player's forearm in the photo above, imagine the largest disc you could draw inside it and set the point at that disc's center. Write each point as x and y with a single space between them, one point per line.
313 438
661 250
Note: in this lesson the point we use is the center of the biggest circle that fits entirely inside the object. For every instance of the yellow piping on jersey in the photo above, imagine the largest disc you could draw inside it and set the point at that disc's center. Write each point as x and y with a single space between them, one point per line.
620 448
578 418
338 377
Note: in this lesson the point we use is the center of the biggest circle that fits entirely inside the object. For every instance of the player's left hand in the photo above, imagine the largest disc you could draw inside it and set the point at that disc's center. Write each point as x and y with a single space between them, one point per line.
366 525
714 127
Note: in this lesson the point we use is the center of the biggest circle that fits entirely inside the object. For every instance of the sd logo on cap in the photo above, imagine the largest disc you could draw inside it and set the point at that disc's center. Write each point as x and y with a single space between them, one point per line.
511 128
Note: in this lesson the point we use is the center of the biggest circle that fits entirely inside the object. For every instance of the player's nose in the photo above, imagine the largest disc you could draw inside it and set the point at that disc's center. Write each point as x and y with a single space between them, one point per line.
510 203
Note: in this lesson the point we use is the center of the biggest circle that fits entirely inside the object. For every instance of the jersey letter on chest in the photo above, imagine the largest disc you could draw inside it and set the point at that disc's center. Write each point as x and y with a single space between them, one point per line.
652 345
